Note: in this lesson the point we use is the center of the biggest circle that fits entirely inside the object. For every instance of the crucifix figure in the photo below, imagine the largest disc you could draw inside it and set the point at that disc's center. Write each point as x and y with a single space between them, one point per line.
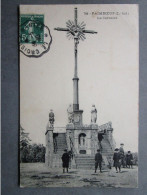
77 32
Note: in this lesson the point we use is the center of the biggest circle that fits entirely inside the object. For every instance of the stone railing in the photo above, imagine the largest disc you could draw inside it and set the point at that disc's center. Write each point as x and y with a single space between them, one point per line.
72 146
111 140
59 129
106 126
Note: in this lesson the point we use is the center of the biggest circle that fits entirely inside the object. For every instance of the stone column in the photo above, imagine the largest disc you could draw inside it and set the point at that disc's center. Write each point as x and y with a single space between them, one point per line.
75 94
75 79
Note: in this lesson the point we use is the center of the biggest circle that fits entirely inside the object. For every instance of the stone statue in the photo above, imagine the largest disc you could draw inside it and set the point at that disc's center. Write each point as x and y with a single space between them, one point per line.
110 125
70 113
82 140
93 114
51 118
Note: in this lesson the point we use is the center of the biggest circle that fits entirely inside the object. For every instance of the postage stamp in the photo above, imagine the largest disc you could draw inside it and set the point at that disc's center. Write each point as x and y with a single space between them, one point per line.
34 37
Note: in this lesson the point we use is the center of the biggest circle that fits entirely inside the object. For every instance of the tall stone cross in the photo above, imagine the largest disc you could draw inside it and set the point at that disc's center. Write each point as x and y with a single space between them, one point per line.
77 32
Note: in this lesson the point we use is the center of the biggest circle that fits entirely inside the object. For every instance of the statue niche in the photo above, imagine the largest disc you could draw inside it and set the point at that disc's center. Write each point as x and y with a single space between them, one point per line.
82 143
82 139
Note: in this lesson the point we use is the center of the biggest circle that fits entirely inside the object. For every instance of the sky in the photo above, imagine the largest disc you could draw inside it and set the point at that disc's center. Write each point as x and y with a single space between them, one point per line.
107 69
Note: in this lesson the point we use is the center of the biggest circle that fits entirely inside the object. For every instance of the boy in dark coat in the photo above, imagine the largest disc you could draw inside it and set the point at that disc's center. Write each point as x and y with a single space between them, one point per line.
122 153
117 160
70 153
65 161
129 159
98 161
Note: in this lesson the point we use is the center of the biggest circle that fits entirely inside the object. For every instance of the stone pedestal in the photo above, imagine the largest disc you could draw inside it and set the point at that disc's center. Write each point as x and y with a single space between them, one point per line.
83 138
78 118
49 147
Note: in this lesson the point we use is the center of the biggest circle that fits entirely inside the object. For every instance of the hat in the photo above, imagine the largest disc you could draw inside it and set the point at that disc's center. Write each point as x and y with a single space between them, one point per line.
65 150
129 151
122 144
116 149
98 150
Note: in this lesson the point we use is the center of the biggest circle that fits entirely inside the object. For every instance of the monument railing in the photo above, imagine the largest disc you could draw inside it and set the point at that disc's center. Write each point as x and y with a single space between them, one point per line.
111 141
106 126
73 148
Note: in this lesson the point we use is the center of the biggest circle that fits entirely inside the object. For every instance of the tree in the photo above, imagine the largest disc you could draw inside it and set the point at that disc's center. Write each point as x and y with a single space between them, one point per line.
24 145
30 152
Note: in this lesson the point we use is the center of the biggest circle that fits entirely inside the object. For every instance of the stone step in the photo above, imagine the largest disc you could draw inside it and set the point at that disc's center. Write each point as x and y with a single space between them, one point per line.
60 151
61 143
84 159
107 153
91 167
60 137
87 161
61 146
106 147
58 144
84 156
86 167
85 164
107 150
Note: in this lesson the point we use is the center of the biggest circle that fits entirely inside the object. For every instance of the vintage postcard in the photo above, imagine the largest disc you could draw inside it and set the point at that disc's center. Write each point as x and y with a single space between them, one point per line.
79 80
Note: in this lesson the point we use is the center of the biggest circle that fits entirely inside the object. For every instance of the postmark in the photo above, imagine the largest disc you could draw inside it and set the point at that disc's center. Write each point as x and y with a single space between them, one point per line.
34 37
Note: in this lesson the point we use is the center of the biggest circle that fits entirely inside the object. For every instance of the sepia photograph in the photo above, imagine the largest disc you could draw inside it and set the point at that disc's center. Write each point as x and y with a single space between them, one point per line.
79 95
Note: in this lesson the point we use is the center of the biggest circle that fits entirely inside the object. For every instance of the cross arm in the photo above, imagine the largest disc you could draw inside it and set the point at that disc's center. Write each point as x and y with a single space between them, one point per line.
89 31
61 29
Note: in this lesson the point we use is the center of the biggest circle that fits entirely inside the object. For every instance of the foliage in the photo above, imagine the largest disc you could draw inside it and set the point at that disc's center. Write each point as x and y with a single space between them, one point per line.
30 152
135 158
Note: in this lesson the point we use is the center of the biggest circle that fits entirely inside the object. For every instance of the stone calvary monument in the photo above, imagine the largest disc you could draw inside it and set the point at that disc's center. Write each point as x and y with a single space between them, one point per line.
81 140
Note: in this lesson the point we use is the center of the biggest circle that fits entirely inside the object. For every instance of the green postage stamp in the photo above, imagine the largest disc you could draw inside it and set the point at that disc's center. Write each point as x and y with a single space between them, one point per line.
31 28
34 36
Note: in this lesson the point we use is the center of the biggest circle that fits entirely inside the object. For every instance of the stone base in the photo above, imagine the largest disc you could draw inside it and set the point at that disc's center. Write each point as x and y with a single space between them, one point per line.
94 126
70 126
78 118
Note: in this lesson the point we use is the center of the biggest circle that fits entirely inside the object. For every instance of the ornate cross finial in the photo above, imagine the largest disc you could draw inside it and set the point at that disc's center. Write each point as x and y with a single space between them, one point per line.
76 31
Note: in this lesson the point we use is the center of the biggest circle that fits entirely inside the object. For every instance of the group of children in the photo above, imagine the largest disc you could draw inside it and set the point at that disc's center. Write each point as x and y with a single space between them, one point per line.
120 159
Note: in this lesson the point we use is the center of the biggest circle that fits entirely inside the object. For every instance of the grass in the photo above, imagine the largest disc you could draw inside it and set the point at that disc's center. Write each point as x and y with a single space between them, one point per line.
38 175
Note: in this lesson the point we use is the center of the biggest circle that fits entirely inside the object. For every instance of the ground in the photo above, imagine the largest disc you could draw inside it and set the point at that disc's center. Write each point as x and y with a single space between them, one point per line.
38 175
